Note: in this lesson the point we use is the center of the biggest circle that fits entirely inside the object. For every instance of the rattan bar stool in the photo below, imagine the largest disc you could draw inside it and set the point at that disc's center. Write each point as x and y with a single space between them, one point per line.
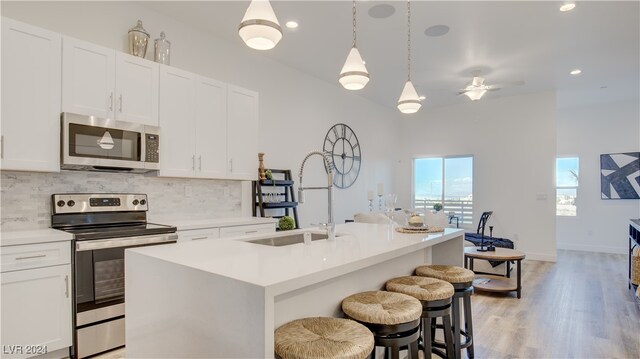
331 338
393 318
435 296
462 281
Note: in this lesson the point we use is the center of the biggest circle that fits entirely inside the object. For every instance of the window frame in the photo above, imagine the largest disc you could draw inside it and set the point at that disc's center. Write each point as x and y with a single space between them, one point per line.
444 158
576 187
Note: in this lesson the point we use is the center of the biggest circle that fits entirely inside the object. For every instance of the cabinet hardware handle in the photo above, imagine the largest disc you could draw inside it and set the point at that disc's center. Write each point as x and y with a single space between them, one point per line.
30 257
111 102
120 108
2 146
231 165
247 232
193 162
66 286
200 163
199 238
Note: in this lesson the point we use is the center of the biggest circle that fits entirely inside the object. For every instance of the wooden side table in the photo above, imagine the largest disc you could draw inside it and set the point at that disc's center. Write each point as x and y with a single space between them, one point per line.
494 283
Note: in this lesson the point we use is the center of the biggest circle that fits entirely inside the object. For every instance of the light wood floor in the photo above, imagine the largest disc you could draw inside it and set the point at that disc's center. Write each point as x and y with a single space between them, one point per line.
579 307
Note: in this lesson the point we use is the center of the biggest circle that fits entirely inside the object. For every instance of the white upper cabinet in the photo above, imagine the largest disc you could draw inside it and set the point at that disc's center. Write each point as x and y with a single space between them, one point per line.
242 133
102 82
31 75
177 123
211 128
88 84
136 89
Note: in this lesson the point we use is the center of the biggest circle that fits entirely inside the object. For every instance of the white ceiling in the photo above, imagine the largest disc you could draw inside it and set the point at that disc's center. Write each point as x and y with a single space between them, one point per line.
506 40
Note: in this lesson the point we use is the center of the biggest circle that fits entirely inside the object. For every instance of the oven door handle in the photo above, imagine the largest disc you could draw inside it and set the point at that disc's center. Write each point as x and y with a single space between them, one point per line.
125 242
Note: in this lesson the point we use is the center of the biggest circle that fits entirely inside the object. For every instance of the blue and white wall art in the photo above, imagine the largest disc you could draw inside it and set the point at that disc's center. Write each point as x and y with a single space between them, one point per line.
620 175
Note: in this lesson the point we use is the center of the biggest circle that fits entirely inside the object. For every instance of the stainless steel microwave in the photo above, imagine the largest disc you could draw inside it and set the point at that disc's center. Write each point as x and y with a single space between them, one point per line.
100 144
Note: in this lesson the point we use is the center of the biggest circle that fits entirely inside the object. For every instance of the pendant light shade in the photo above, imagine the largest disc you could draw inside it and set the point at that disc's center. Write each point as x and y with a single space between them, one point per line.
475 95
409 101
354 75
260 28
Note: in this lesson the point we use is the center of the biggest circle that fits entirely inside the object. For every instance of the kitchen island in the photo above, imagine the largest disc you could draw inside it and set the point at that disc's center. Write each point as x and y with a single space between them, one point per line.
223 298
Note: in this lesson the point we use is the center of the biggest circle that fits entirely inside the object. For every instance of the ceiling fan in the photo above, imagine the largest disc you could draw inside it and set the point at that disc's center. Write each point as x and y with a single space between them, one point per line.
477 88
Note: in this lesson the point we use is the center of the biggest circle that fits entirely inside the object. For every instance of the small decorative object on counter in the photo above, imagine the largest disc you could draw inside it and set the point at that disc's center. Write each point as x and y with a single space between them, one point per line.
370 198
286 223
269 175
162 50
261 166
437 207
416 221
138 40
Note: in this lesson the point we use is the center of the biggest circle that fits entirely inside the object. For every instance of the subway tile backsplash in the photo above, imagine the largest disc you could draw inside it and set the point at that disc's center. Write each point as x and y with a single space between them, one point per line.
26 196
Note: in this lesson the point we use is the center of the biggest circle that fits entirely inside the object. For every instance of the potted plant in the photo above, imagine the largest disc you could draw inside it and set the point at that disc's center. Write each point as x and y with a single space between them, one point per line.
437 207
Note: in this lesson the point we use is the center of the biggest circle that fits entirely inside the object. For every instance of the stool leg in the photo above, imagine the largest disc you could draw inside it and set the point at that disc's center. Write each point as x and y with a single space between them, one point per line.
413 350
468 324
433 329
426 337
395 353
455 318
448 338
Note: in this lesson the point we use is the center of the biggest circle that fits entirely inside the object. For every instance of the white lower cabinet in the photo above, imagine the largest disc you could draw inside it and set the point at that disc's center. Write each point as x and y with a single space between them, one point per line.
246 230
198 234
36 311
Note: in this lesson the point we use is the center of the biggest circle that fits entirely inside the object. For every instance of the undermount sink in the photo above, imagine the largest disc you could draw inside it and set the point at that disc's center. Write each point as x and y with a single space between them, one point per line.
287 240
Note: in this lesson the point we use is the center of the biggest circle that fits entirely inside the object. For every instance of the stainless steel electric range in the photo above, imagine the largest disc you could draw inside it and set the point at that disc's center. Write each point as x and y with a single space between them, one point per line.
103 225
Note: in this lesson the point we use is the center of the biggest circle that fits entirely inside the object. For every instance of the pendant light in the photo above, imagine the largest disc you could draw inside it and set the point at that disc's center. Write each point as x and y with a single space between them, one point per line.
260 28
354 75
409 101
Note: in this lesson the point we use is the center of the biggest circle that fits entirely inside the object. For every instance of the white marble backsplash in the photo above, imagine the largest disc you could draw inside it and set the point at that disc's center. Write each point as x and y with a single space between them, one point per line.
25 201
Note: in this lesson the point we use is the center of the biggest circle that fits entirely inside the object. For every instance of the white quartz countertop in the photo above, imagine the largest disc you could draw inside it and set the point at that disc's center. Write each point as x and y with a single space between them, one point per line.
285 268
14 238
185 225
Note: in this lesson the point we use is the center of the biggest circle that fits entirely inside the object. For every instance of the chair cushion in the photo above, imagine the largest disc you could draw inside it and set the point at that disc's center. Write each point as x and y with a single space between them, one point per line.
378 307
334 338
421 288
451 274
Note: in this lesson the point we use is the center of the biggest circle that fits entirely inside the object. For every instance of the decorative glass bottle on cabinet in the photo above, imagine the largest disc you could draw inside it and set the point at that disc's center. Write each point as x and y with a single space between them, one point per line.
162 48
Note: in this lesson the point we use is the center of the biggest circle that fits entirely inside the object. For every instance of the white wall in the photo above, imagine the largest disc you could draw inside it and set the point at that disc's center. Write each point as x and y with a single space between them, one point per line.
513 142
296 110
587 132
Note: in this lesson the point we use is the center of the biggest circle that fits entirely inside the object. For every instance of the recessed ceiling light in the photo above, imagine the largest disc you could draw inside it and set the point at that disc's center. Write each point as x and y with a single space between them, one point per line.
291 24
422 98
381 11
567 7
576 72
437 30
603 87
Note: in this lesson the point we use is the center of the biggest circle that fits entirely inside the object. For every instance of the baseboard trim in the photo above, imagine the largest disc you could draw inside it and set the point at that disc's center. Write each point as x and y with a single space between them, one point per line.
591 248
541 257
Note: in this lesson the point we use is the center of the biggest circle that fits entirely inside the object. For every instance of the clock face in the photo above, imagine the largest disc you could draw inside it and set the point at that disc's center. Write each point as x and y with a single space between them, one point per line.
342 143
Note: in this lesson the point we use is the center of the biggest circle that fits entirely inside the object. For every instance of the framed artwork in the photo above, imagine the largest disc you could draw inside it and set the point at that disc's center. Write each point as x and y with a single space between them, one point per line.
620 176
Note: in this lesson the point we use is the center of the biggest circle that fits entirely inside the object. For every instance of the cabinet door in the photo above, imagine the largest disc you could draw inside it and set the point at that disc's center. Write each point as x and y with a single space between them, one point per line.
36 308
211 128
88 73
177 123
136 89
31 78
198 234
242 133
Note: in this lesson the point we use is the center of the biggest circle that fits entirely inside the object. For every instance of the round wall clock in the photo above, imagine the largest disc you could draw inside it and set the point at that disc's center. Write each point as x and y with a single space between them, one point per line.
342 143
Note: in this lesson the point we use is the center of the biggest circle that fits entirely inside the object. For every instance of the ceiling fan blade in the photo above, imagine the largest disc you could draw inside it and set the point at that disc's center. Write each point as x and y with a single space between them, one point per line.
494 88
507 84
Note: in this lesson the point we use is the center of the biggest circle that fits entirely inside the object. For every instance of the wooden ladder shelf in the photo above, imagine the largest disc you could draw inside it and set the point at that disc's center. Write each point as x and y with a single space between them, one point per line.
284 191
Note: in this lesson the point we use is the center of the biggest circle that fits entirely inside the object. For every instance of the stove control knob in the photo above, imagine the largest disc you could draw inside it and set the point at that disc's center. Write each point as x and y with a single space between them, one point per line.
60 203
135 202
143 202
71 203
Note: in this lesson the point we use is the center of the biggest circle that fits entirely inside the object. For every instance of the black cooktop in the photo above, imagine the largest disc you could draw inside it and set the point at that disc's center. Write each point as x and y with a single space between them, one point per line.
92 232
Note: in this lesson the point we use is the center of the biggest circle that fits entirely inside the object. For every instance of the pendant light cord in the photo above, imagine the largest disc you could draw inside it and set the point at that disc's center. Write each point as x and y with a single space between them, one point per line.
354 23
408 40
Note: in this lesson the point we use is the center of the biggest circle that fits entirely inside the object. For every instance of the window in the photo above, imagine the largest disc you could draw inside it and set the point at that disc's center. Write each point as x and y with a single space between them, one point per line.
447 181
566 186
